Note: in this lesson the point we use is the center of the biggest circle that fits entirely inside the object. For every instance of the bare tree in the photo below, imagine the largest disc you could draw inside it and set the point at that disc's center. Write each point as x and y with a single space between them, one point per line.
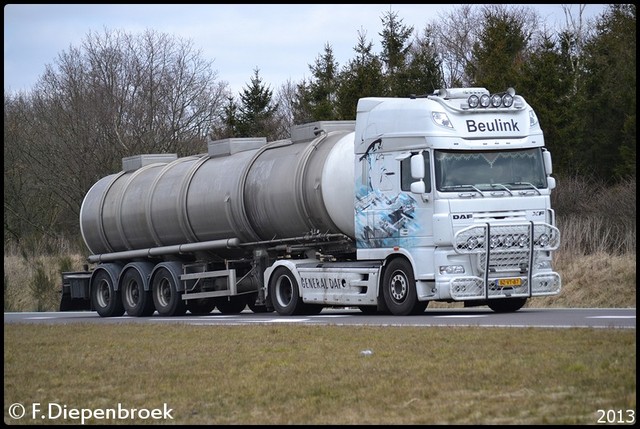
117 95
575 35
454 37
457 33
285 98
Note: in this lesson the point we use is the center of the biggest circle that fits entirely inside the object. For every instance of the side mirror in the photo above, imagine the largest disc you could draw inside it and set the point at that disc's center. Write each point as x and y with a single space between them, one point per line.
551 182
418 187
548 167
417 166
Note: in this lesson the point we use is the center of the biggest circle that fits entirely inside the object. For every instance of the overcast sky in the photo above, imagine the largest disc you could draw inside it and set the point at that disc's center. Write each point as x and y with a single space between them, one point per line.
280 40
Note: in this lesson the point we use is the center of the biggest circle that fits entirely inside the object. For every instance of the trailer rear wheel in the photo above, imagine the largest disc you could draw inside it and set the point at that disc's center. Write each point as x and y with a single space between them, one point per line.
166 297
506 305
284 292
137 302
399 289
104 298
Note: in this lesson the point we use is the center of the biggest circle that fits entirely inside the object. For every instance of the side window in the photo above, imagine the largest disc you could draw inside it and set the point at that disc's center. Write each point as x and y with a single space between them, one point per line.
405 172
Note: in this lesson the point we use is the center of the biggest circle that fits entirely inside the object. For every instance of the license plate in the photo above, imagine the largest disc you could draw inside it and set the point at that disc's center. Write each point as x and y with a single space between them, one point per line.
509 282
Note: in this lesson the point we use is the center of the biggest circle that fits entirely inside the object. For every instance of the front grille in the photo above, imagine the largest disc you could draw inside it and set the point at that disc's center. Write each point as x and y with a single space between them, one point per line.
505 251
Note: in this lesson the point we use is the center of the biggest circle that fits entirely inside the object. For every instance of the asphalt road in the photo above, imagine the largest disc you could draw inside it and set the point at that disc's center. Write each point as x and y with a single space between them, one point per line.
624 318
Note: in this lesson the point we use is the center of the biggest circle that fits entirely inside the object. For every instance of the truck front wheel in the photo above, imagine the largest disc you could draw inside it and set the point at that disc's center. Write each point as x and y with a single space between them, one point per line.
167 299
399 289
104 298
506 305
284 292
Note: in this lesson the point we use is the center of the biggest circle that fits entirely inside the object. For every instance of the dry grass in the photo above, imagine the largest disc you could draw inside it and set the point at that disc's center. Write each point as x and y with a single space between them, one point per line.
316 375
34 284
597 280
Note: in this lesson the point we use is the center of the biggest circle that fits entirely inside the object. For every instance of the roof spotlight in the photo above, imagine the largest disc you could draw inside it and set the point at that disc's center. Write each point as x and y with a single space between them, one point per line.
496 100
484 100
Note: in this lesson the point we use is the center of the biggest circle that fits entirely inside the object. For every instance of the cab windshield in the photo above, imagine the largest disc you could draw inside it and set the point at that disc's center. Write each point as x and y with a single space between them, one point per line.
489 170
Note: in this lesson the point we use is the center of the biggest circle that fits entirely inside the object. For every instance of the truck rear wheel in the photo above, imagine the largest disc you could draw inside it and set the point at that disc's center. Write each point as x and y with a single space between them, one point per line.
231 304
399 289
104 298
137 302
506 305
201 306
251 302
166 298
284 292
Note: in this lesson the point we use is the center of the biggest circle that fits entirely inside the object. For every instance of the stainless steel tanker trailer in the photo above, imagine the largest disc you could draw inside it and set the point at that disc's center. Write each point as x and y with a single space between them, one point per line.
438 198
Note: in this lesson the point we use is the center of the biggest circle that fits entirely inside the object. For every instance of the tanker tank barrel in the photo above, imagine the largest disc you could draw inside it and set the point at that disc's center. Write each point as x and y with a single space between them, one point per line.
243 188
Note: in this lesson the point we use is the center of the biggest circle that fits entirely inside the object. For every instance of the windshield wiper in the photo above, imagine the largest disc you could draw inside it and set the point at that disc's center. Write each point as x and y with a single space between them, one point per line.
458 187
495 185
529 184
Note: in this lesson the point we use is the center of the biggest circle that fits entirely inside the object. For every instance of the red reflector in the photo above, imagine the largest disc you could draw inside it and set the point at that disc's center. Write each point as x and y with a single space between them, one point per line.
396 248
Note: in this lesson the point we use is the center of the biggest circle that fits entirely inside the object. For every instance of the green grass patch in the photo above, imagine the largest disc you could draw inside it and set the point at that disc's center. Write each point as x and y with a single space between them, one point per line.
272 374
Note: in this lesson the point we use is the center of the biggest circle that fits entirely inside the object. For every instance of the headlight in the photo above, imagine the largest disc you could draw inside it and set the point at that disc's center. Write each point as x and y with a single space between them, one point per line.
442 119
507 100
451 269
502 99
472 243
543 264
543 240
509 240
496 100
522 240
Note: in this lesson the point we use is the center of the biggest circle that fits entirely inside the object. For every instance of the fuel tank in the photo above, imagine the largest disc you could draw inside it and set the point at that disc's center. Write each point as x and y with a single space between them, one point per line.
242 188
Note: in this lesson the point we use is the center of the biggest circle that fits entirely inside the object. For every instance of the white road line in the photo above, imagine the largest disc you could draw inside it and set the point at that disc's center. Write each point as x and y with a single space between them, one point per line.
462 316
611 317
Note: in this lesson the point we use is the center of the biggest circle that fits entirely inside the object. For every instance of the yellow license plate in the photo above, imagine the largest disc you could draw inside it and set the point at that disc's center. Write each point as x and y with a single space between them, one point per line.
509 282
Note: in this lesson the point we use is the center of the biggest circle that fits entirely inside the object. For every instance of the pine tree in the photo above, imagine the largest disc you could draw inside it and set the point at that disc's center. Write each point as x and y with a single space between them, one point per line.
256 113
361 77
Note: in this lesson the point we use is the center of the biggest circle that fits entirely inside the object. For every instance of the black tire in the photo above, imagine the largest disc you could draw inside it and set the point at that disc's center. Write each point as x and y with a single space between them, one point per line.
231 304
368 309
420 307
104 298
136 301
251 302
311 309
506 305
399 289
68 304
166 297
201 306
284 292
